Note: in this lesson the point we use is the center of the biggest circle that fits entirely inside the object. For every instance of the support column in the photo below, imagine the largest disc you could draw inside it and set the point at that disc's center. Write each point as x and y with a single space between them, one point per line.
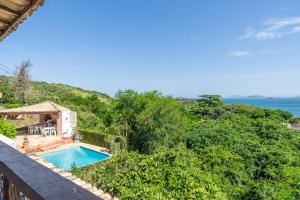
59 124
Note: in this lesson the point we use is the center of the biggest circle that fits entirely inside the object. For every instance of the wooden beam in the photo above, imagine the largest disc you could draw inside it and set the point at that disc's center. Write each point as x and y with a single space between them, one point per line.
4 21
26 11
9 10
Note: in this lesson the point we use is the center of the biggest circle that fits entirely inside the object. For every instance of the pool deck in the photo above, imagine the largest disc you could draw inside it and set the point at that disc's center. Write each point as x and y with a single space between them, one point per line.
68 175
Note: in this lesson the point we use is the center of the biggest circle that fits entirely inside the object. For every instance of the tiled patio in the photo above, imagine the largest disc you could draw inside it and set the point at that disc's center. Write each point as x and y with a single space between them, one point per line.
35 140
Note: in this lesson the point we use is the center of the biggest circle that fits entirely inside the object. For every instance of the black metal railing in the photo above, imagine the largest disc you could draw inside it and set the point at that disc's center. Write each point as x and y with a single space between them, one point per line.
10 191
13 188
22 178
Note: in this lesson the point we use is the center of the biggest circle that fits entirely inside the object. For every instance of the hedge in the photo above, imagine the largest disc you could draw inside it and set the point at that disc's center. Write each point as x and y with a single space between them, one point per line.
102 139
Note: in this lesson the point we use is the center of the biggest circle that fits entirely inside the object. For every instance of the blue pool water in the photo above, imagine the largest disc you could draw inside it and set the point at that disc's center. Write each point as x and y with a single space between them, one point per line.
81 156
291 105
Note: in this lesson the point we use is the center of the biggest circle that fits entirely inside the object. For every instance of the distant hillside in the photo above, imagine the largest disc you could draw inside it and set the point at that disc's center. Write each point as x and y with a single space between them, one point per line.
90 105
54 91
48 90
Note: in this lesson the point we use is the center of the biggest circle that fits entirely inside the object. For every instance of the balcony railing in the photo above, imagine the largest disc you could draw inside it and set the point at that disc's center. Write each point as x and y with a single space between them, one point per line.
22 178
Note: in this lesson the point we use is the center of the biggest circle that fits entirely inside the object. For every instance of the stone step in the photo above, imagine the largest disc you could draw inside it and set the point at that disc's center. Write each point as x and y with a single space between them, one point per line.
51 147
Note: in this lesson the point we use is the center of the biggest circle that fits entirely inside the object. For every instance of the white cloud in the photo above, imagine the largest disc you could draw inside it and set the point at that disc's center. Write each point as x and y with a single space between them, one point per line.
240 53
296 30
274 28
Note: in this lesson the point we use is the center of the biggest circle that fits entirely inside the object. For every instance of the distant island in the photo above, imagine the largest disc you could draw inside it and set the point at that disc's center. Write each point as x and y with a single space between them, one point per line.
257 97
261 97
237 97
251 96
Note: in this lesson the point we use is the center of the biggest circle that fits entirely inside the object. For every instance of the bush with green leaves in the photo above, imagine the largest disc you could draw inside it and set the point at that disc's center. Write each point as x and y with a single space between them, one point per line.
166 174
250 155
147 120
102 139
7 129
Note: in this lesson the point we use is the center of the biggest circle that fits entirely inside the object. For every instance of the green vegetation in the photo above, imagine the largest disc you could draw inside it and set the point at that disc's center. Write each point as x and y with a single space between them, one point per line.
165 174
7 129
91 106
198 150
180 149
101 139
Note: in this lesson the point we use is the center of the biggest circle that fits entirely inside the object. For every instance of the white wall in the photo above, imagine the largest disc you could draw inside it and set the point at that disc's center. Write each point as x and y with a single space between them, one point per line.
68 122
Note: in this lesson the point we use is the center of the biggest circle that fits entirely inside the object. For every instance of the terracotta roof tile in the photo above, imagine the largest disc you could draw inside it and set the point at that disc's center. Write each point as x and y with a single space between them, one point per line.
45 107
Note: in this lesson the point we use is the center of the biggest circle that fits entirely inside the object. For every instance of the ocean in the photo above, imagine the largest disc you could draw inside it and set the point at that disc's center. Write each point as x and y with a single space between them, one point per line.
291 105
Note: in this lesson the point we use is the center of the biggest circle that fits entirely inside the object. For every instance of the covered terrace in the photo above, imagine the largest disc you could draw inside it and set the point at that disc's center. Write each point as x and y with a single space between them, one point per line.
51 118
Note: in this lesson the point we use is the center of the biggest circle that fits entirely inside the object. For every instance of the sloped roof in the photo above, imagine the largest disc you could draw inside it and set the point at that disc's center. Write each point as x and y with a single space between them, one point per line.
14 12
46 107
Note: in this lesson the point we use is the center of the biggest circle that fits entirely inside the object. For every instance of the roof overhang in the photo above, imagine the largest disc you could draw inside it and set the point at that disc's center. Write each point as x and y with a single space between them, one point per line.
14 12
28 113
47 107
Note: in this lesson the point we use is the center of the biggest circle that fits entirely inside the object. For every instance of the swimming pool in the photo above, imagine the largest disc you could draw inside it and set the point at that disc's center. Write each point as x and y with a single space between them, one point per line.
80 156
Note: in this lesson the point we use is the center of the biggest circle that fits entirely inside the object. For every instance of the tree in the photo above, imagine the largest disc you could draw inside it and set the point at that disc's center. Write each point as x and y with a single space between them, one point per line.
8 92
210 106
123 107
21 81
210 100
147 120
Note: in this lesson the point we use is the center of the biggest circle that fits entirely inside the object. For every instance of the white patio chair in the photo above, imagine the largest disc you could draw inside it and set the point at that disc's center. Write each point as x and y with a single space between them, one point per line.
53 131
36 130
44 132
48 131
30 130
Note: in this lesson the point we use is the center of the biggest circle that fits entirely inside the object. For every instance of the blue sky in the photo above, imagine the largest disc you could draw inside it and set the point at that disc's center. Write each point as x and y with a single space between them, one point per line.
180 47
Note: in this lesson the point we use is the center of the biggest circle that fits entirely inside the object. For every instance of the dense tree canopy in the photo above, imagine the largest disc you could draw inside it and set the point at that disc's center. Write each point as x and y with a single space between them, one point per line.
218 151
165 174
147 120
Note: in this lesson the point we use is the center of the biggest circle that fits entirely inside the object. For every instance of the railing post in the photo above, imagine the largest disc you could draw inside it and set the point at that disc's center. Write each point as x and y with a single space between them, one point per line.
5 188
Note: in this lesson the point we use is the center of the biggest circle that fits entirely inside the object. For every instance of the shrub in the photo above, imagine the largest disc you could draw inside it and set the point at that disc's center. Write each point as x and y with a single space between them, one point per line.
7 129
166 174
102 139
